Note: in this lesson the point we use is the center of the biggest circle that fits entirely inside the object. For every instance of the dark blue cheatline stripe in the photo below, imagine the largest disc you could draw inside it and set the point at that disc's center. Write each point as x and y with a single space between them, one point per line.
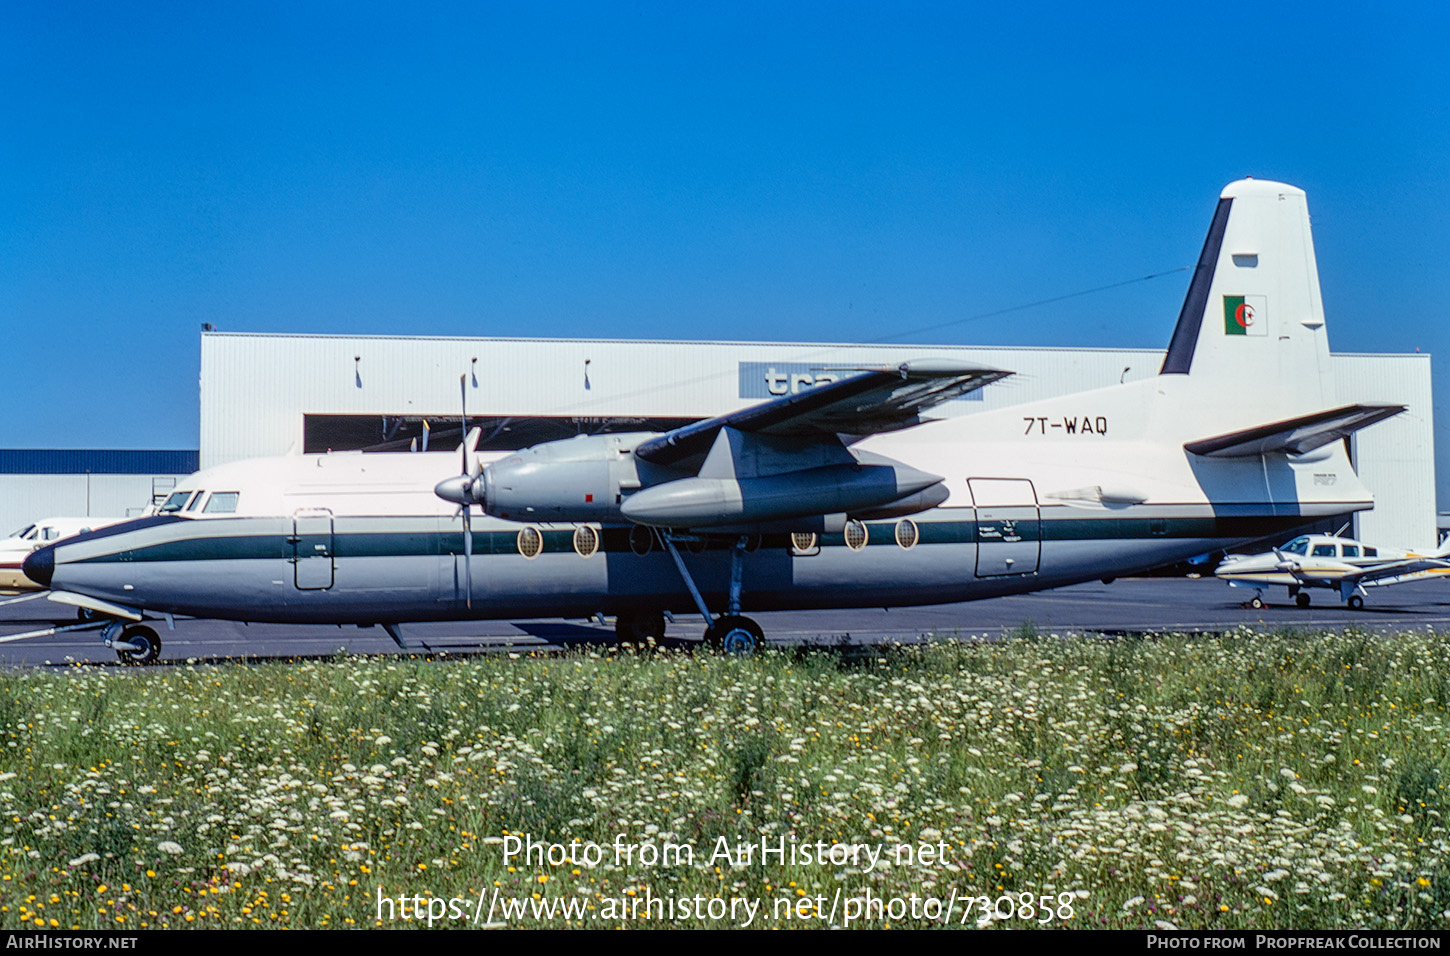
97 461
616 540
1179 359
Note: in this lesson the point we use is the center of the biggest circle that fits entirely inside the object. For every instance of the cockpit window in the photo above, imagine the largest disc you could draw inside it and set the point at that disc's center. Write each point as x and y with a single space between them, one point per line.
175 501
49 534
222 502
26 532
1297 546
196 501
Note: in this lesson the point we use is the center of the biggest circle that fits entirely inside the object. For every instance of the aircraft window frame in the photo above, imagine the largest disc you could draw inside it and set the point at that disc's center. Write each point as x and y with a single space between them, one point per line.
641 540
195 503
217 498
857 535
586 541
166 506
1299 546
1323 551
804 543
535 537
907 534
1351 550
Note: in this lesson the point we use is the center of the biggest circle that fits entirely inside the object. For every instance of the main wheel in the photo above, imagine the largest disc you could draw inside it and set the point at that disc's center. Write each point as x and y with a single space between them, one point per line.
734 634
1256 602
1301 599
639 627
148 644
1355 602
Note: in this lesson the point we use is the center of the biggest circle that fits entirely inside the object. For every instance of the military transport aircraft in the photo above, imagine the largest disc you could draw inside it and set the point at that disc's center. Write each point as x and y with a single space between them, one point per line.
1329 561
845 495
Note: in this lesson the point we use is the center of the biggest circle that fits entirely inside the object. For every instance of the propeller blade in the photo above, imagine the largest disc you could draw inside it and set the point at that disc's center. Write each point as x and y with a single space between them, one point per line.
463 420
468 556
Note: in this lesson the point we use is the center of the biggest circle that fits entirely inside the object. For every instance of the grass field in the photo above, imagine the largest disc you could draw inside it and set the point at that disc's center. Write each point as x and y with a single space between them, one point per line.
1241 780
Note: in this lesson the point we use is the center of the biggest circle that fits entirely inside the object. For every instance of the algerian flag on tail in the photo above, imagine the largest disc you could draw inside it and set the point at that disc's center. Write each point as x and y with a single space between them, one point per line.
1245 315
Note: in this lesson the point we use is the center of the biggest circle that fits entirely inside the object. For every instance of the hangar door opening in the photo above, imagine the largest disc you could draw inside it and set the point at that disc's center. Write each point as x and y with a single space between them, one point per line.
1009 526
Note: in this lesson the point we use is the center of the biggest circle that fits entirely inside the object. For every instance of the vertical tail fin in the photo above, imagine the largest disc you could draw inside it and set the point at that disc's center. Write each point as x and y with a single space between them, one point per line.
1253 319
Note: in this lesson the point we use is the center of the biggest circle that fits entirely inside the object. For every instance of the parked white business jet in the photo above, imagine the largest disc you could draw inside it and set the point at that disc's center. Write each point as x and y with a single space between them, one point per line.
844 495
1329 561
15 548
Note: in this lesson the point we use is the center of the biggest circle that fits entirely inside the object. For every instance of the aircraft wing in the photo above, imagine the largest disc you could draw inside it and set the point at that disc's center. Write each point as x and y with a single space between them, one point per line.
1295 435
877 400
1397 572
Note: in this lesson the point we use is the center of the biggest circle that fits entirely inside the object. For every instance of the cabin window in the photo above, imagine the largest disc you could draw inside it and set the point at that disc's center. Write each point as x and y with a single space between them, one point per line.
1324 551
175 501
222 503
531 542
804 543
586 541
1371 552
641 539
856 535
907 534
1297 546
1351 550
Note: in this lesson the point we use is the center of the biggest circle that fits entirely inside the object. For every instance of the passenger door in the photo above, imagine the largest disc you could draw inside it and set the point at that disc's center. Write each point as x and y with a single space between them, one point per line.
312 549
1009 535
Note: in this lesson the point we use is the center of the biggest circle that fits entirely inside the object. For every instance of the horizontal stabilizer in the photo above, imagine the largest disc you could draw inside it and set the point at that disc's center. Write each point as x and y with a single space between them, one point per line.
1295 435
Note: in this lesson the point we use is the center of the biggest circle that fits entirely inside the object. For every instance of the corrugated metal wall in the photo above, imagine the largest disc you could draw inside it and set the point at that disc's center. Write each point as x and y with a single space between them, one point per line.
255 389
24 498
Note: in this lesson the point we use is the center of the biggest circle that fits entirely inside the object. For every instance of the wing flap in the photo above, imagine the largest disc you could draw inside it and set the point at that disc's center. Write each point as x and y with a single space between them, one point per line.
1295 435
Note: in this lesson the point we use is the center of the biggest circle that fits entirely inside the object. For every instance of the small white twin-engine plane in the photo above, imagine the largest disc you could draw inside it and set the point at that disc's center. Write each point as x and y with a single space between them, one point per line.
15 547
1329 561
846 495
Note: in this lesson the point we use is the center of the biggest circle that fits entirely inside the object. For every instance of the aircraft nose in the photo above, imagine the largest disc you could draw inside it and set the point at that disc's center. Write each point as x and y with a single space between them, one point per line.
39 565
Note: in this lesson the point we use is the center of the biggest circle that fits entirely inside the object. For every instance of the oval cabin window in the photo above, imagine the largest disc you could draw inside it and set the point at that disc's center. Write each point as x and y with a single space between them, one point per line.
803 541
531 542
856 535
586 540
907 534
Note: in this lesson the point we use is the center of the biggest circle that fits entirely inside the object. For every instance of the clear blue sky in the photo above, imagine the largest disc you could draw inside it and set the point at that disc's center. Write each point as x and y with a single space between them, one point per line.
831 171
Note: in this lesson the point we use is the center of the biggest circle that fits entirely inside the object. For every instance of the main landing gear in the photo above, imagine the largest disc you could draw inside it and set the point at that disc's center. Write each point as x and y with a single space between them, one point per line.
730 632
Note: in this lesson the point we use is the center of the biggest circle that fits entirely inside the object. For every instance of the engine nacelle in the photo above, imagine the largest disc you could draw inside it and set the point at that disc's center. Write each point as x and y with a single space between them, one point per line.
576 479
711 502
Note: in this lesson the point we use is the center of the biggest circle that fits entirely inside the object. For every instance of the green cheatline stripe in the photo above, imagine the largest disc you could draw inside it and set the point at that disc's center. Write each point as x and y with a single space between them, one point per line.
616 540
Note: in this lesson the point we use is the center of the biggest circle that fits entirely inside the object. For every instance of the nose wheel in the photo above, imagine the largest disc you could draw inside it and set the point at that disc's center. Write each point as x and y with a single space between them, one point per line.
137 645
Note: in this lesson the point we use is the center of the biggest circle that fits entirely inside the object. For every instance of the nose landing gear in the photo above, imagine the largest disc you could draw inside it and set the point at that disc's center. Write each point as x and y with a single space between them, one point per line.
134 644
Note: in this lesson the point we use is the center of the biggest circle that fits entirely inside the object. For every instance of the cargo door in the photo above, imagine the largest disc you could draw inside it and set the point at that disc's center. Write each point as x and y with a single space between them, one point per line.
1009 526
312 549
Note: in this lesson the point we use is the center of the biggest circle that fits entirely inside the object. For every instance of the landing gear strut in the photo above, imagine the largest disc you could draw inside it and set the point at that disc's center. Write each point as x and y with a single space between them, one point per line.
731 632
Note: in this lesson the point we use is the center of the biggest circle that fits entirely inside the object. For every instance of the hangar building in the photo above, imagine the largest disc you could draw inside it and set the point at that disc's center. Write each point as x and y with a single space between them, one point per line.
267 394
45 483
